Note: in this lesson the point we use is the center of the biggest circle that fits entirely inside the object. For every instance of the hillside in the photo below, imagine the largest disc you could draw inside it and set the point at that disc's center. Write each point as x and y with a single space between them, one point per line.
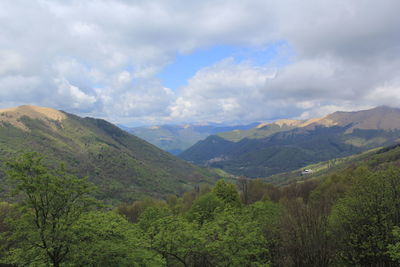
337 135
377 158
260 131
177 138
123 166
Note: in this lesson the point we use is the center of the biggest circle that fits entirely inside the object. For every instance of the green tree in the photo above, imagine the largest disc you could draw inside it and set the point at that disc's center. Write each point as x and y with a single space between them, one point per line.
364 219
51 204
8 214
394 249
267 215
108 239
227 192
232 239
176 240
204 208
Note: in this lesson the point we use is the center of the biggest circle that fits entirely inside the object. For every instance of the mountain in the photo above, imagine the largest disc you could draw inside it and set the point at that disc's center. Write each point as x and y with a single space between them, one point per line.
176 138
287 145
261 130
123 166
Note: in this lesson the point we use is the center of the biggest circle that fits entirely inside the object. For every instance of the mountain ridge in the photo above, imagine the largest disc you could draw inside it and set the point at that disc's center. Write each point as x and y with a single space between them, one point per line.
123 166
176 138
279 149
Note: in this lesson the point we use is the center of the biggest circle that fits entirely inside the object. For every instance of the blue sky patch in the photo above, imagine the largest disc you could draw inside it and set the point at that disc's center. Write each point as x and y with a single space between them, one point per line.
184 67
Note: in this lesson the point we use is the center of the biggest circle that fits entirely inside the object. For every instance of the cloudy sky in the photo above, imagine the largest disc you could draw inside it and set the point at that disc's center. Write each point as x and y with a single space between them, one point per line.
177 61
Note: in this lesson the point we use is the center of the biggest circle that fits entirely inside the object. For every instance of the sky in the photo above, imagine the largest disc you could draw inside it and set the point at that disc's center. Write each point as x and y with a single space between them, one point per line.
143 62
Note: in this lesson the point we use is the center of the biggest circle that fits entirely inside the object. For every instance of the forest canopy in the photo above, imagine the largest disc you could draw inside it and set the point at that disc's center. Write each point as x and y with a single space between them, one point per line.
349 218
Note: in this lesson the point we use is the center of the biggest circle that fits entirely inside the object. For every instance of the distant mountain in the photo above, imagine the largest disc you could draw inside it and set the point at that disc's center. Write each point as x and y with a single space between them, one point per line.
261 130
123 166
289 144
176 138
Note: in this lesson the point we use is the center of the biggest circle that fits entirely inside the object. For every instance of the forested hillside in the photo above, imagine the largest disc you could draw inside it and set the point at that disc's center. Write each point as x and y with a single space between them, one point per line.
123 166
337 135
347 217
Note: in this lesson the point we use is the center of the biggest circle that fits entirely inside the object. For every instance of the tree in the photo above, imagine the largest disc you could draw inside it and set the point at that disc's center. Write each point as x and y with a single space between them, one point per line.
8 213
51 204
133 211
305 239
394 249
176 240
204 208
364 219
227 193
232 239
267 215
108 239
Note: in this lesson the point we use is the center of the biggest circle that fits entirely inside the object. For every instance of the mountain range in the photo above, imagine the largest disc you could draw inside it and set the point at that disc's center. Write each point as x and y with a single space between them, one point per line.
285 145
177 138
123 166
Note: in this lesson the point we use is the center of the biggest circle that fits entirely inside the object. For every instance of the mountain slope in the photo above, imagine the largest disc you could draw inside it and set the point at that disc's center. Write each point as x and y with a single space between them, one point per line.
260 131
176 138
123 166
336 135
377 158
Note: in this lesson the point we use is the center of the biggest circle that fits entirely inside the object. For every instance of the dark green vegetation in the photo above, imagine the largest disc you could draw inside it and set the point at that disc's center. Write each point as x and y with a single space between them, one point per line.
176 138
123 166
347 217
371 158
273 149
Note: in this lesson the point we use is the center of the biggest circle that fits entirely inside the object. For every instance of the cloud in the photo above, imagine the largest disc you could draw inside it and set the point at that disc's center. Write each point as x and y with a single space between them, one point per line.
100 58
226 91
74 96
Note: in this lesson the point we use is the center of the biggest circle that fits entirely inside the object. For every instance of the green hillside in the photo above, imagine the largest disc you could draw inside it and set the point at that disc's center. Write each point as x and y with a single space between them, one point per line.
337 135
377 158
123 166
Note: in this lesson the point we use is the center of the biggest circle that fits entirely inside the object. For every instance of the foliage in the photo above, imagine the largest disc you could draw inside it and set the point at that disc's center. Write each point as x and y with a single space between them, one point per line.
348 218
305 239
394 249
133 211
267 215
364 219
176 240
51 204
227 193
233 240
8 214
205 207
107 239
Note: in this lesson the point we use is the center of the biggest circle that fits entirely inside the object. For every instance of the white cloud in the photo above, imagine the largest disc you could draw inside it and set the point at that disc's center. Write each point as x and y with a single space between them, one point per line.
104 57
73 96
226 91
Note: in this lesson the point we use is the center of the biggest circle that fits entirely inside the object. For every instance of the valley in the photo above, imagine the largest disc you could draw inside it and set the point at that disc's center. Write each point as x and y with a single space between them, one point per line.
177 138
280 147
